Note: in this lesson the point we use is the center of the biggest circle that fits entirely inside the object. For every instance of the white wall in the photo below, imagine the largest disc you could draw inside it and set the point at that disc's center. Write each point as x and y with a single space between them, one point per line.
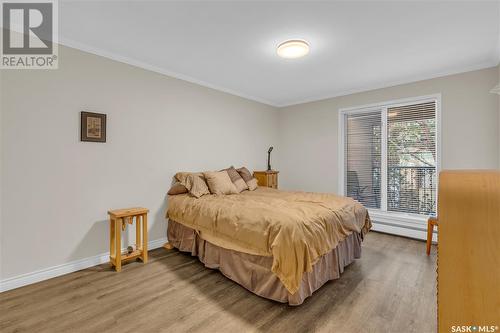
308 133
56 190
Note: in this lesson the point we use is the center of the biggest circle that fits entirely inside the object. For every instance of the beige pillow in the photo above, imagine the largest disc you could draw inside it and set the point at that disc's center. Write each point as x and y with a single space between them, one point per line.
220 183
252 184
248 178
235 177
177 188
194 183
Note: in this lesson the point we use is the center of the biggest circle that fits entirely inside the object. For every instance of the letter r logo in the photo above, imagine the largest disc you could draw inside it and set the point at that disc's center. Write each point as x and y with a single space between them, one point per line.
28 28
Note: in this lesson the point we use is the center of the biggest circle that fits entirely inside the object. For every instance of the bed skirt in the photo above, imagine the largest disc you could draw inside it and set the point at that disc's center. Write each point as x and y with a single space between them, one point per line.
254 272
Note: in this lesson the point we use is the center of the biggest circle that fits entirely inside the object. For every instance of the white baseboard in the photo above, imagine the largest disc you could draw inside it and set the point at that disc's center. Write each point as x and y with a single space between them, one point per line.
416 233
51 272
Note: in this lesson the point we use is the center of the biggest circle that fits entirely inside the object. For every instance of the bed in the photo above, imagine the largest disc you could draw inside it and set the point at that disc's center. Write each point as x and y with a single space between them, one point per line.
277 244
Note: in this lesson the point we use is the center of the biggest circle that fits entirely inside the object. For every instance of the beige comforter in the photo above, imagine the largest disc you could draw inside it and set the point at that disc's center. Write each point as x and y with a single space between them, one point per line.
295 228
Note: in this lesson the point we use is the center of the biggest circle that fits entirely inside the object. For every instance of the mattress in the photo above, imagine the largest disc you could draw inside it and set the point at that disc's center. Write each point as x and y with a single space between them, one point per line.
254 273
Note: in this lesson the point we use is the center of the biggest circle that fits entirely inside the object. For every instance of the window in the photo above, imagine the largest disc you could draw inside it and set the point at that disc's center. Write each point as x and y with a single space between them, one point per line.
389 156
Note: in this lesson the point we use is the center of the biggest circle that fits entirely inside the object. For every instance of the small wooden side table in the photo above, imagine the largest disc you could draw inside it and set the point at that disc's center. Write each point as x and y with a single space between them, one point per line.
268 178
118 220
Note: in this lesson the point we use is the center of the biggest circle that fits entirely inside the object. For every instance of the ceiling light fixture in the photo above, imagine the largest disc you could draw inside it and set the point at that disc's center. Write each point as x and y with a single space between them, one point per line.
294 48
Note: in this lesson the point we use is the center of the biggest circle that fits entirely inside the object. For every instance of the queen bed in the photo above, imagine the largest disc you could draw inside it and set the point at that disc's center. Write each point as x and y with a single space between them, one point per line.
277 244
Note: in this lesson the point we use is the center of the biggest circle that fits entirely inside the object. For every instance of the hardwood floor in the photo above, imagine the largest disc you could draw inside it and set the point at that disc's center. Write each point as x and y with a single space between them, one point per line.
391 288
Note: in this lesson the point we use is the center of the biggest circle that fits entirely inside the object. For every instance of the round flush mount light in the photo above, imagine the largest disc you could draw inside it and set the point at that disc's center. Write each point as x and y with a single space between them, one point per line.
294 48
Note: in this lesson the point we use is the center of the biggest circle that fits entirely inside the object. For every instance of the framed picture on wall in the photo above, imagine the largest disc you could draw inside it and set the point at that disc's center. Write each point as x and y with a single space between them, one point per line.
93 127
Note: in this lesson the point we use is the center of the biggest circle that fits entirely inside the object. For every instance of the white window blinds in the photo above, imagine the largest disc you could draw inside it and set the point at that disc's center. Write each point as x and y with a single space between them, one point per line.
390 159
411 158
363 158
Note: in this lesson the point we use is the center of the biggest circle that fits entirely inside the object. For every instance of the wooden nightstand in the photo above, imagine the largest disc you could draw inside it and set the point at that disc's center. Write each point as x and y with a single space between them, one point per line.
118 220
267 178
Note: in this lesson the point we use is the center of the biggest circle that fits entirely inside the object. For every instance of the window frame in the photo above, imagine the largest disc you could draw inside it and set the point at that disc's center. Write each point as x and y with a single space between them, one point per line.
389 220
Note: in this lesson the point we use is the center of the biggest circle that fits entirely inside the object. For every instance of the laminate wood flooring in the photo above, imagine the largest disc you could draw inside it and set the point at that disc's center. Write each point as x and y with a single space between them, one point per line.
392 288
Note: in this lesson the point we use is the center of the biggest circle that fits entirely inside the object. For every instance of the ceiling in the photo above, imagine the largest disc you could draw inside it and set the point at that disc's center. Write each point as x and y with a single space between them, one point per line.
231 46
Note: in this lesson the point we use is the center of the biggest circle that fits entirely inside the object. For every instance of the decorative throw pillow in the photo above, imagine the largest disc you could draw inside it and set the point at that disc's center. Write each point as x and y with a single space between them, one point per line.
177 188
248 178
240 184
194 183
220 183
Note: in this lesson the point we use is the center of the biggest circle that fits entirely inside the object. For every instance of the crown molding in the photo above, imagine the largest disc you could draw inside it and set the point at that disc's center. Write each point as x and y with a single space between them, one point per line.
144 65
141 64
390 84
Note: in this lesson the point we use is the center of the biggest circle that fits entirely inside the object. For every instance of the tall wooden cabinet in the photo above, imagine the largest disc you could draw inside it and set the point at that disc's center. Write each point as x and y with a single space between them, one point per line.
469 250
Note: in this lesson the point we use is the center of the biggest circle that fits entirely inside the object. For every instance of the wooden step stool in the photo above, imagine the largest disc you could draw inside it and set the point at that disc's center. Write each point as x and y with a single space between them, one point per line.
118 220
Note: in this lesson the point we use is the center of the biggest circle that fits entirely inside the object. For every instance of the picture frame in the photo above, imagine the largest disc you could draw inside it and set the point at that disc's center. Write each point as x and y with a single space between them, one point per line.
92 127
